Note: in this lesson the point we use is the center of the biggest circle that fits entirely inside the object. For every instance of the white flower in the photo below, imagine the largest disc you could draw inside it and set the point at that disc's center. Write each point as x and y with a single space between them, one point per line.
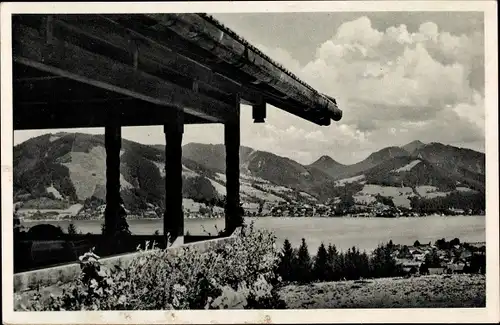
180 288
122 300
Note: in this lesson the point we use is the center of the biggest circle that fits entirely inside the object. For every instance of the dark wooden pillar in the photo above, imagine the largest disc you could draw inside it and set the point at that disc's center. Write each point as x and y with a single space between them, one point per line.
233 215
112 140
173 219
259 112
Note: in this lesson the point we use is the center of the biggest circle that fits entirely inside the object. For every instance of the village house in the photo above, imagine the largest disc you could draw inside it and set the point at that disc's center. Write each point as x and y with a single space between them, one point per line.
455 267
436 270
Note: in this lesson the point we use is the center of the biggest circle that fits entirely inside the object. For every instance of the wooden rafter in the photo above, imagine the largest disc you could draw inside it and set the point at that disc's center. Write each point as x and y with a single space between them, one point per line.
70 61
45 115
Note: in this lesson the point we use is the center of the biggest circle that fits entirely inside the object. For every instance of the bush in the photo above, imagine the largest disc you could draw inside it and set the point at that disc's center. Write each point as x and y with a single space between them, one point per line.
238 275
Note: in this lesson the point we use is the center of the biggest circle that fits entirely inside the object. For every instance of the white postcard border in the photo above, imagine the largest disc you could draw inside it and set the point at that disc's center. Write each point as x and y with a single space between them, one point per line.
488 314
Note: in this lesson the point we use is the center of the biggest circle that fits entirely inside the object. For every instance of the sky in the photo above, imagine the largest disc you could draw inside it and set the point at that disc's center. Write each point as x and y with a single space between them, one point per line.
397 77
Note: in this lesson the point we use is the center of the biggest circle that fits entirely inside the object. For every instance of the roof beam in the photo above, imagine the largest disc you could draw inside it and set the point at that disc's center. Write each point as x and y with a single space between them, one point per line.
151 51
70 61
155 56
50 115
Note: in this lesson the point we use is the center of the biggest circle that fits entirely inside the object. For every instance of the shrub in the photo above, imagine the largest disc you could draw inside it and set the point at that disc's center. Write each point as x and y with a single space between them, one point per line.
237 275
18 227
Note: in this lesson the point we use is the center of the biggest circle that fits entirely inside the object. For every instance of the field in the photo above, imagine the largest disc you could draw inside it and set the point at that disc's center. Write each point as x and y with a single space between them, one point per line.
434 291
399 195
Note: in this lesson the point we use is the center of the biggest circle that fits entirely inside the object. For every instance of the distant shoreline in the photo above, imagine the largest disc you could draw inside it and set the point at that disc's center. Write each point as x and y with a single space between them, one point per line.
250 217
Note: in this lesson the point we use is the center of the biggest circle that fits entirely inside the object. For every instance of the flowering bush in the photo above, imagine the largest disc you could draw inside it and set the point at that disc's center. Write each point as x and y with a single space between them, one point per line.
238 275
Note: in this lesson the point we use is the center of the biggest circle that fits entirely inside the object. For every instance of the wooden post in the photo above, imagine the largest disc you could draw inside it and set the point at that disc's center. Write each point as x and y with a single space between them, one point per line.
173 219
233 216
112 140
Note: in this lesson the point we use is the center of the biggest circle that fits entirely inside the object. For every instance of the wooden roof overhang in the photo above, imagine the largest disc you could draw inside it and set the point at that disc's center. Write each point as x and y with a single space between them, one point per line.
68 70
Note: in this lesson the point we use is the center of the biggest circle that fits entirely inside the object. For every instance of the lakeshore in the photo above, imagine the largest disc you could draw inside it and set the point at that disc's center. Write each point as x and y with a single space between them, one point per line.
345 232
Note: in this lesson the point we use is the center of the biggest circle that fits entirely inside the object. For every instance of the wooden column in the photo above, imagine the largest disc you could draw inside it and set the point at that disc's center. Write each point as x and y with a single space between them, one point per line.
173 219
233 216
113 146
259 112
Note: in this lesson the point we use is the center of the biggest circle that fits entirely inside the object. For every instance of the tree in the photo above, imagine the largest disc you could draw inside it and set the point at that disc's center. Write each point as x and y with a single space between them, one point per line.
404 251
333 256
320 268
442 244
286 263
72 229
454 241
424 269
416 243
303 263
122 227
383 264
432 260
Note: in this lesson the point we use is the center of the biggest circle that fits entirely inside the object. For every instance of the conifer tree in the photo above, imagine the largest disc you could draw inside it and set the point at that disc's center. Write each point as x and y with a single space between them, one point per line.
382 262
320 269
303 263
340 266
72 229
332 254
286 263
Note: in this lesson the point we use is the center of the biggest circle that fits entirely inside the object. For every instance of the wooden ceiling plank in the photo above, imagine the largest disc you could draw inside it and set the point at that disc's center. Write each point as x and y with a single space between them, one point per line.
72 62
43 115
151 50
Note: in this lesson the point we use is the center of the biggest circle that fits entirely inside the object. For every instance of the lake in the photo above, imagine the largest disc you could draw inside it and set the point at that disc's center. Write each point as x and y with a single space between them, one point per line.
364 233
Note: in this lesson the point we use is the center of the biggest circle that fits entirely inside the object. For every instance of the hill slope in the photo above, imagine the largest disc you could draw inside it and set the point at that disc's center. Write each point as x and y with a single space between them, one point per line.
69 168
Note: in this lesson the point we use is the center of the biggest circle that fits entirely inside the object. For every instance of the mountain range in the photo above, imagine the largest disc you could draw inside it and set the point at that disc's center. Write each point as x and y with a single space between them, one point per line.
70 168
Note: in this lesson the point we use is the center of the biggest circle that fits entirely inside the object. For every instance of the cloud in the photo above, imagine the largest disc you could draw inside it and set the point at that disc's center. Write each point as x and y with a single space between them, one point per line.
394 86
426 85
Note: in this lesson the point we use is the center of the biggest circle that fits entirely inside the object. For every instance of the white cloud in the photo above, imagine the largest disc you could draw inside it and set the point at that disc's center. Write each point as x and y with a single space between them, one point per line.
393 86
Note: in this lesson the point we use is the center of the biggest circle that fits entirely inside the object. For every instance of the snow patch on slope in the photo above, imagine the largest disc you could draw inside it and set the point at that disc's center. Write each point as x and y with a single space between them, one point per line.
81 165
430 192
220 177
400 195
344 181
465 189
307 195
161 167
407 167
54 191
253 192
124 184
251 178
221 189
